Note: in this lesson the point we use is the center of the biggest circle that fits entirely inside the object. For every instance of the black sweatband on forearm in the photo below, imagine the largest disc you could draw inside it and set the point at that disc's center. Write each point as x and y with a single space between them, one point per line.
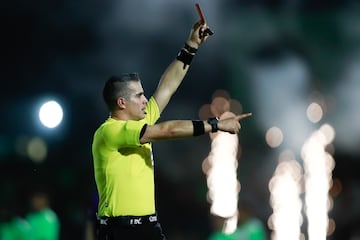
185 57
199 128
190 49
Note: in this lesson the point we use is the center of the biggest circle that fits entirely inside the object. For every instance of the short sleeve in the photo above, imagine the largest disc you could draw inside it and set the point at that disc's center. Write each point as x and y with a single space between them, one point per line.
119 134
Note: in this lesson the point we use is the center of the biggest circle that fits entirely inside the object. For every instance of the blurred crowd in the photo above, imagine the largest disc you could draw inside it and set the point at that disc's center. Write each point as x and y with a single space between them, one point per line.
40 221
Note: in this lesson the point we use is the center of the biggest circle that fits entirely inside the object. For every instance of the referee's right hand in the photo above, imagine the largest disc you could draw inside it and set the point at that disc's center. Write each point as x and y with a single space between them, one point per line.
232 124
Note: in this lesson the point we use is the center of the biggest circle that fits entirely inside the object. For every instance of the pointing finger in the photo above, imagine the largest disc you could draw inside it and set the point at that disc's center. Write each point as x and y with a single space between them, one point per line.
242 116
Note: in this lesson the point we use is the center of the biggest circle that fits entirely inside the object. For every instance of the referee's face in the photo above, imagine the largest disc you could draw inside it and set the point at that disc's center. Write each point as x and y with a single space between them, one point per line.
136 102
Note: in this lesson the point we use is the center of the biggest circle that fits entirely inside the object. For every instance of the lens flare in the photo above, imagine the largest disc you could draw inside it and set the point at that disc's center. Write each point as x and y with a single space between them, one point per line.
220 168
318 166
285 189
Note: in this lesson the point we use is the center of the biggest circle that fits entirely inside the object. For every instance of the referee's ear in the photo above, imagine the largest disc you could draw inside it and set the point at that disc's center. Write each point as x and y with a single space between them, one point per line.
121 102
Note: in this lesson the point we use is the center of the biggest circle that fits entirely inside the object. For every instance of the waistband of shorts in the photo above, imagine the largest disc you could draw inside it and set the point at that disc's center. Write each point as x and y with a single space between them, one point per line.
129 220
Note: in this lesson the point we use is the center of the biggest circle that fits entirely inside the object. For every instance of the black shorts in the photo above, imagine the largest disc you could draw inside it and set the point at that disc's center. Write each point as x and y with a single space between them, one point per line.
118 228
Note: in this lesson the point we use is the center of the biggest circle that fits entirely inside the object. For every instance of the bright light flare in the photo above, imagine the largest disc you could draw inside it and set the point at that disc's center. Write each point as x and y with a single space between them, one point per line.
37 149
274 137
220 167
285 189
221 171
51 114
318 166
34 148
219 105
222 176
314 112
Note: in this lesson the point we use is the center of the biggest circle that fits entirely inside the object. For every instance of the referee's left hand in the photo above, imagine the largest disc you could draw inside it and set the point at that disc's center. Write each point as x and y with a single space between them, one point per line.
198 34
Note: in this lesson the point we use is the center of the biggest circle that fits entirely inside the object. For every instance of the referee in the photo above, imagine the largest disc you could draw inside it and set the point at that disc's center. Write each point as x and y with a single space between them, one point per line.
121 148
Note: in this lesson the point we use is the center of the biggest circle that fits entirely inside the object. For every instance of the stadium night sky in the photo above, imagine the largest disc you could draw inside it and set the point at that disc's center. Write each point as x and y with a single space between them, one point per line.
274 57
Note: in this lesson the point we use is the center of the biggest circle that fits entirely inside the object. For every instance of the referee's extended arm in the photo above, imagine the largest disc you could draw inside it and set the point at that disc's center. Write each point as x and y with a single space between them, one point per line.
175 129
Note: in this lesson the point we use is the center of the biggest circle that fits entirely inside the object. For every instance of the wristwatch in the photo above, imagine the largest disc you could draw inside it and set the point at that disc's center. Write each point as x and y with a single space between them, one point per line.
214 123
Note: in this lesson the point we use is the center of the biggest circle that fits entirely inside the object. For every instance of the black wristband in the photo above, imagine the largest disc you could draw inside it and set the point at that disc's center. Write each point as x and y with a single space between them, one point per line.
190 49
199 128
185 57
214 123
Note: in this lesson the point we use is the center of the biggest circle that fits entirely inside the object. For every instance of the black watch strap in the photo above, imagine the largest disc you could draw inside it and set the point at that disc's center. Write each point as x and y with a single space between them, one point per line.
214 123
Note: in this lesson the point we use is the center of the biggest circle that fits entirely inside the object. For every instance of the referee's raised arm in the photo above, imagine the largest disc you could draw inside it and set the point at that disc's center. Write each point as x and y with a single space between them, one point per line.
176 71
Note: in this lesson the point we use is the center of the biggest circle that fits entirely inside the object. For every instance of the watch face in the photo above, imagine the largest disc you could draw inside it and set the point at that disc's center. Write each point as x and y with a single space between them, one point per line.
213 122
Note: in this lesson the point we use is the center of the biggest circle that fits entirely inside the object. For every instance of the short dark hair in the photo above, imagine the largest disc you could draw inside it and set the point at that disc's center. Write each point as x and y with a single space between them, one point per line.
116 86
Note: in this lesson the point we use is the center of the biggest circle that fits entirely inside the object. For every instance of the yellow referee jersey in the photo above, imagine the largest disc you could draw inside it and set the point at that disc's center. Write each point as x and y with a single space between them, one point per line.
123 167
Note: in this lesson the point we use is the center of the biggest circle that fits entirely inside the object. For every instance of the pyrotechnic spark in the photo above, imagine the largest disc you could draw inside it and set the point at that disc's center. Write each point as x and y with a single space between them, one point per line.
318 165
220 168
285 189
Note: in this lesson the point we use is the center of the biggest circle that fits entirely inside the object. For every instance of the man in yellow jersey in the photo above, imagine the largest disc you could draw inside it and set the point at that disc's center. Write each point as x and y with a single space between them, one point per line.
122 155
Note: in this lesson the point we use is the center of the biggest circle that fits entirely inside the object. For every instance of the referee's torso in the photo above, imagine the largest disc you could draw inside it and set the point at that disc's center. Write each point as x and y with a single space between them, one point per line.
123 167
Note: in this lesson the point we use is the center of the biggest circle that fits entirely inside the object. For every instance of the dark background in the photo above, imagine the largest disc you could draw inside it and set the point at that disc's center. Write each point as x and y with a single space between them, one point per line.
67 49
